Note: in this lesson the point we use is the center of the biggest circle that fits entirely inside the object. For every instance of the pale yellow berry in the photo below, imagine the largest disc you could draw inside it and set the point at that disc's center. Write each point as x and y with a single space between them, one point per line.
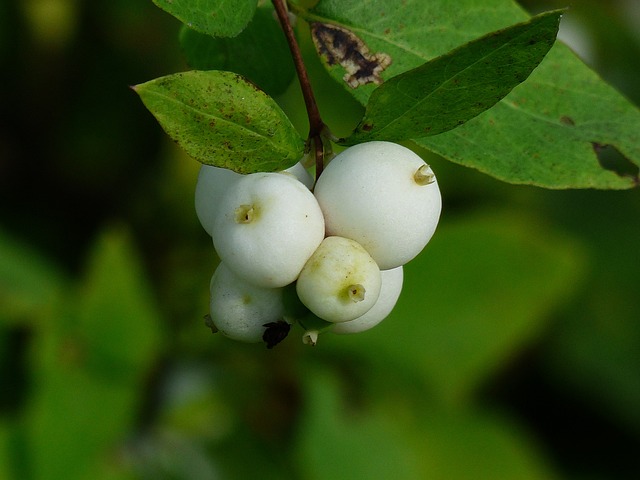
340 281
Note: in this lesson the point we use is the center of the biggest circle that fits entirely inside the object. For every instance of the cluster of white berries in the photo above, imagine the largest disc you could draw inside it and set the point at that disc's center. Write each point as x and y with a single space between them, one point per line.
332 257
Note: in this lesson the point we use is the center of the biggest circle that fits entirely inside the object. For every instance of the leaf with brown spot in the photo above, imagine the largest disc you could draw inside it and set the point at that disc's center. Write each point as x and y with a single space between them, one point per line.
453 88
523 139
338 45
221 119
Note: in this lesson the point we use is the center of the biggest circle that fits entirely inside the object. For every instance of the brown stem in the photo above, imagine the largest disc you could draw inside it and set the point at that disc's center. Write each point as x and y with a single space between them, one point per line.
319 153
316 125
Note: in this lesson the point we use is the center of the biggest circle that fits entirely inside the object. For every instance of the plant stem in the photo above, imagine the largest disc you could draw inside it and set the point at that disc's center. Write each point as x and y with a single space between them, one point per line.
316 125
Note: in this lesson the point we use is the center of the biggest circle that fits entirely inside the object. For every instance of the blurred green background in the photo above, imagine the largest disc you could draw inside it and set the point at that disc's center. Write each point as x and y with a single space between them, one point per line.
514 351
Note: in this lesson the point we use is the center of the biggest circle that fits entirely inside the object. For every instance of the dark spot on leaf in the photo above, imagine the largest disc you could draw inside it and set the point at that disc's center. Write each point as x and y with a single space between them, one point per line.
567 120
341 46
367 127
610 158
212 124
275 332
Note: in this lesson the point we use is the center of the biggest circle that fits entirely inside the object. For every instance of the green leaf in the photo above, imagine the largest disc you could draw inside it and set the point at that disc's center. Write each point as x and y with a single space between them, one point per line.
451 89
363 446
221 119
117 316
90 367
547 131
479 446
543 133
593 352
30 285
5 458
260 53
483 287
225 18
388 438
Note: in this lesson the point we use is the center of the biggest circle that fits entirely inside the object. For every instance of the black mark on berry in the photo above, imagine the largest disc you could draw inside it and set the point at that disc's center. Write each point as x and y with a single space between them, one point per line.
275 332
341 46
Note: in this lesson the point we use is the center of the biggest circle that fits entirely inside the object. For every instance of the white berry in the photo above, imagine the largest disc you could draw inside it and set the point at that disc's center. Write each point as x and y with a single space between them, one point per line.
267 227
389 293
383 196
302 174
340 281
239 310
211 184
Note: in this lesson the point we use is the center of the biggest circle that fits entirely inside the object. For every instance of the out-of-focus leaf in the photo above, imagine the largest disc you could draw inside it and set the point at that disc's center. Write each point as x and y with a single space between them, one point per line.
5 459
223 120
89 366
169 455
117 314
478 446
594 350
225 18
480 290
260 53
335 442
449 90
382 439
543 133
29 284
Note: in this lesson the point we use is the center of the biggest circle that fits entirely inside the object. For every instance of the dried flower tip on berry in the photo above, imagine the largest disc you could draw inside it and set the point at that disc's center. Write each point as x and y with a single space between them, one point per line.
424 175
245 214
208 322
310 337
356 292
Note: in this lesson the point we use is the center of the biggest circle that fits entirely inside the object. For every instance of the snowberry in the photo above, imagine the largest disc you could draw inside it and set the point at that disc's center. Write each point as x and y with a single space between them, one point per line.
266 228
340 281
211 184
389 293
240 310
301 174
383 196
